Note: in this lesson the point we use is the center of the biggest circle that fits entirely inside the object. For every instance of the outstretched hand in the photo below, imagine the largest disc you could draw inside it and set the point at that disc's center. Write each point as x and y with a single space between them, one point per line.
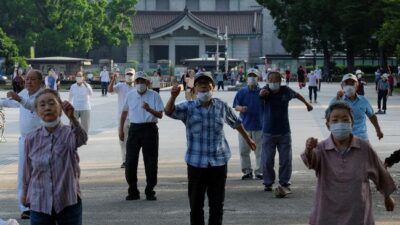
311 143
68 109
176 89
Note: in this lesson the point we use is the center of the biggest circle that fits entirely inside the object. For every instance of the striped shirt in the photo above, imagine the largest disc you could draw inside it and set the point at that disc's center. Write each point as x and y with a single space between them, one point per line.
51 168
206 143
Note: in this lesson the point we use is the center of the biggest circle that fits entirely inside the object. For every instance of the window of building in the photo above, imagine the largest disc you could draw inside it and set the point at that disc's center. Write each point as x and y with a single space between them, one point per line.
193 5
158 52
222 5
185 52
162 4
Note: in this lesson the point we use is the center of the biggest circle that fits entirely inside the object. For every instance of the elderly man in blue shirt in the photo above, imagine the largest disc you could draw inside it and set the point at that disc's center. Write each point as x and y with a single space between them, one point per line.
207 151
248 103
359 105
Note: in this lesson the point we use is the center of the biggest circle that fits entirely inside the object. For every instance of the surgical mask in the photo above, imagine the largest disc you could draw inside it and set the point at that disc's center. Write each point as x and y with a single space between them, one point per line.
359 76
79 79
50 124
204 96
128 78
252 81
349 90
340 131
141 88
274 86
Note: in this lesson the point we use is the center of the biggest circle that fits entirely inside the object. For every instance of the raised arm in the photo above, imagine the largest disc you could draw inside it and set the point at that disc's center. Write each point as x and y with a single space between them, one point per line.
301 98
170 106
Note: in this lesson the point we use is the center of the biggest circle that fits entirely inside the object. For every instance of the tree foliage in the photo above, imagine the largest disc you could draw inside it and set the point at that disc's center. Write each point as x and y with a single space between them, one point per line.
389 33
58 27
8 49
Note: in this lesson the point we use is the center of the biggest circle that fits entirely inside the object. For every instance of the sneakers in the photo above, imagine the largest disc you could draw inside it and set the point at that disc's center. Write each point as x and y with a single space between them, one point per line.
268 188
123 165
247 176
130 197
26 215
151 197
259 176
282 191
380 112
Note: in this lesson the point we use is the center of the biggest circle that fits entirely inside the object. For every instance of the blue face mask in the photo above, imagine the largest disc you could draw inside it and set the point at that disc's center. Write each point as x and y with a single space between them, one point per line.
274 86
204 96
340 131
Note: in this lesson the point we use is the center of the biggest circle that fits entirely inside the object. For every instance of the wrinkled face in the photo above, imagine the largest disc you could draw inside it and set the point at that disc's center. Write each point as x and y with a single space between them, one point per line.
339 116
48 108
32 82
203 85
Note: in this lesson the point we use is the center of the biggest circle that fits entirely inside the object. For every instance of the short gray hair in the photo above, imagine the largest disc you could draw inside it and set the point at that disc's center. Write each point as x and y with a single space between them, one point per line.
339 105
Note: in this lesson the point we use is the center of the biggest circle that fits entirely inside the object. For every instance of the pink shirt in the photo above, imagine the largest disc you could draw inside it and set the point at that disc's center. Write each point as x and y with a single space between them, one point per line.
51 168
343 193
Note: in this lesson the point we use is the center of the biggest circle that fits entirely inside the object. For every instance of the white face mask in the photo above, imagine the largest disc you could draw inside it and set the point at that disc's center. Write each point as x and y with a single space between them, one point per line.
340 131
349 90
50 124
79 79
274 86
252 80
204 96
141 88
128 78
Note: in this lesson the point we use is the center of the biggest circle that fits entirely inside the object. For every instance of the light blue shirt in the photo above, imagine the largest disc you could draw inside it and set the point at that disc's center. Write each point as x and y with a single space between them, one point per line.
360 107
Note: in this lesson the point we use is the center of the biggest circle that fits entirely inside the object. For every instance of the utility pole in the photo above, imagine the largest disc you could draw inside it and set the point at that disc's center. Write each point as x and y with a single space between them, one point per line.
217 52
226 50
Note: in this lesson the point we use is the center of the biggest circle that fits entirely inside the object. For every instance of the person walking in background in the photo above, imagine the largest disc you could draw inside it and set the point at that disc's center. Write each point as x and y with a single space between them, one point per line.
220 80
276 133
344 166
361 82
248 103
18 82
51 81
318 73
183 80
378 74
155 81
122 88
288 76
207 152
28 121
104 79
301 77
79 95
313 83
190 94
143 107
360 106
391 83
383 89
51 166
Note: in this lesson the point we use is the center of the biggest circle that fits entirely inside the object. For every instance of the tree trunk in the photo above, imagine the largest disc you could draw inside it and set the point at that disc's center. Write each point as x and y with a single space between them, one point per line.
382 57
327 62
350 58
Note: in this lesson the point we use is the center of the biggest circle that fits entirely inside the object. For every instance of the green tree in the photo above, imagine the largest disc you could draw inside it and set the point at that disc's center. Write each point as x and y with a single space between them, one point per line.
389 33
67 27
8 49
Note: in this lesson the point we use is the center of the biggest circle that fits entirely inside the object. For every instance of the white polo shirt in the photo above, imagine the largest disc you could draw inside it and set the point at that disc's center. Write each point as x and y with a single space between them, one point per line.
134 105
28 119
122 89
104 76
79 95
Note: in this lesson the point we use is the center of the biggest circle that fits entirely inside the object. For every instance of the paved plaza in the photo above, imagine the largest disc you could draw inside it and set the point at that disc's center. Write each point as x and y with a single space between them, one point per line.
103 182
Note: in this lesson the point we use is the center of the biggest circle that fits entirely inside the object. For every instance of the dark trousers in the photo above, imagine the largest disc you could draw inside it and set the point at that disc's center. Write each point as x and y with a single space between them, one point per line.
212 181
104 88
382 95
142 136
319 84
220 84
71 215
312 89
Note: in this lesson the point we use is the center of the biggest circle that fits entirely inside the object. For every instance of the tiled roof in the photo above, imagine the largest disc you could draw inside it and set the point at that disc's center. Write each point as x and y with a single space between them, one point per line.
238 22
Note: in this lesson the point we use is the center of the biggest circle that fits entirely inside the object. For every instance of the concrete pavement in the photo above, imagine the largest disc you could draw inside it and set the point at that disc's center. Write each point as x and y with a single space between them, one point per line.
104 187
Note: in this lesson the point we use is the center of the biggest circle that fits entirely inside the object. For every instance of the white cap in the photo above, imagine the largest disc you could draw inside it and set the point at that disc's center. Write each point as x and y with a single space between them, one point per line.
349 76
253 71
385 75
359 72
130 70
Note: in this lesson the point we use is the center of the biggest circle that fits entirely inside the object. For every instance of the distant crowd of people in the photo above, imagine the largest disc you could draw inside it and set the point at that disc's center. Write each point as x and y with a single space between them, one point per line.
345 162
